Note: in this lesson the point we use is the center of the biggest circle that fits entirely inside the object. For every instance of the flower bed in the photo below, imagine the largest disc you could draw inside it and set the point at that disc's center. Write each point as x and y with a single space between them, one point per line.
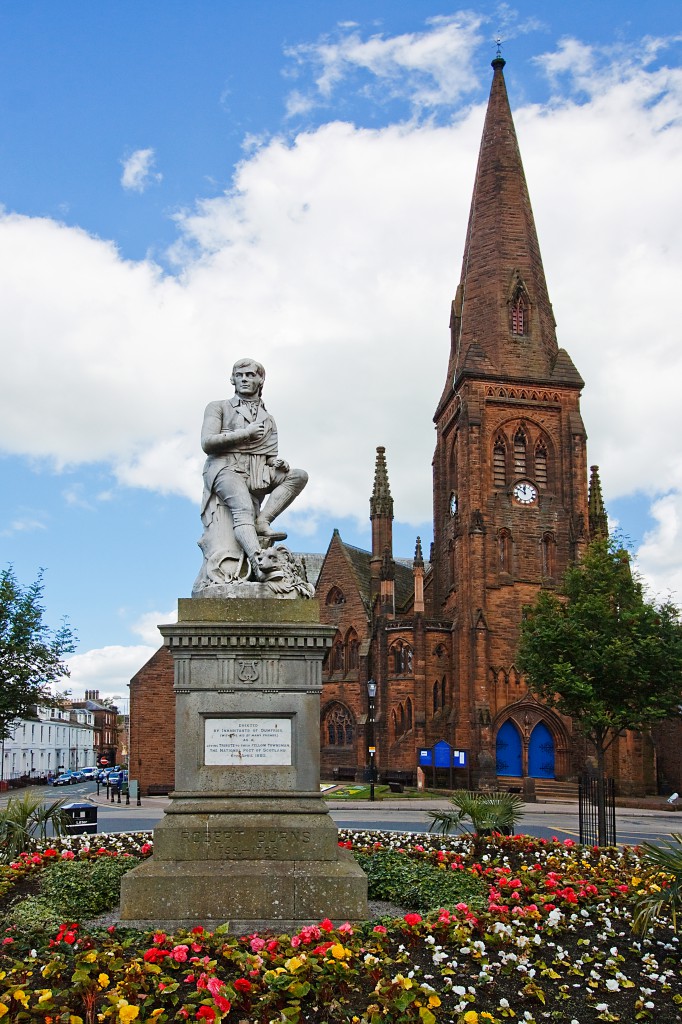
550 939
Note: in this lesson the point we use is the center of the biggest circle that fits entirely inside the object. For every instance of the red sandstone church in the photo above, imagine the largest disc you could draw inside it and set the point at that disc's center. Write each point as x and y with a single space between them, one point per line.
511 508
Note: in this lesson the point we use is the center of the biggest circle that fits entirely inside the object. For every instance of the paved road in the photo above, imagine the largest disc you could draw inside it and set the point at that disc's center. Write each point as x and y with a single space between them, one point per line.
541 820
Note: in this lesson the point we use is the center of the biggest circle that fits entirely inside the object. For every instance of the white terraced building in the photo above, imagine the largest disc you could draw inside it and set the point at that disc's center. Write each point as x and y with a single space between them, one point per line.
51 741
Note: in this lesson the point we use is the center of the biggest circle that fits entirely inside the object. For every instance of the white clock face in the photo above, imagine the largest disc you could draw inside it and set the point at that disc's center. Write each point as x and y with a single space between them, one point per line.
453 504
525 493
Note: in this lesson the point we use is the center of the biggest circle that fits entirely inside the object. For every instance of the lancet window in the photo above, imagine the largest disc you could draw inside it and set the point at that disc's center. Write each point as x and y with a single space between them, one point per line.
337 726
519 314
520 452
335 596
499 463
541 465
402 656
504 551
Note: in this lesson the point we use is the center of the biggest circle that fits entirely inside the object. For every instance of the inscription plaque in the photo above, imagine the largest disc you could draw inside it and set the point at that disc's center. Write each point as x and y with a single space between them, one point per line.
247 741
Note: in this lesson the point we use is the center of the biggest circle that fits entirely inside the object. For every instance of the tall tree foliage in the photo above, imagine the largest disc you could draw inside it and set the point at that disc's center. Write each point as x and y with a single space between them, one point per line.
31 654
602 654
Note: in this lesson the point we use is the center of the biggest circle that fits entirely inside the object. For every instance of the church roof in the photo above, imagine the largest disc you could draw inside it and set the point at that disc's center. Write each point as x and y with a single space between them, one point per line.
502 266
360 563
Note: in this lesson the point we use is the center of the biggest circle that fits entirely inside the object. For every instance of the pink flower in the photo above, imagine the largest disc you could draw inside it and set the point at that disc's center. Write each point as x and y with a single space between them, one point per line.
346 928
223 1004
68 855
214 986
379 928
257 944
146 848
295 941
7 941
179 953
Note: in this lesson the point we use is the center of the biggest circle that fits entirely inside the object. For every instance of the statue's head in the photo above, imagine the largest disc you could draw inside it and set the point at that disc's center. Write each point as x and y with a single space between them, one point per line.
247 377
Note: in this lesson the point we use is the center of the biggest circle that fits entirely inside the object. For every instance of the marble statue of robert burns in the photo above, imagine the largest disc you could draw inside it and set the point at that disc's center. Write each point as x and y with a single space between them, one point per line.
243 468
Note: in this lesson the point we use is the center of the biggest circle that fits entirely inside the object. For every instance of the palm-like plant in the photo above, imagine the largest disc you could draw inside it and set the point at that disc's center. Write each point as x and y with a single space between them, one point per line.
27 820
487 812
664 895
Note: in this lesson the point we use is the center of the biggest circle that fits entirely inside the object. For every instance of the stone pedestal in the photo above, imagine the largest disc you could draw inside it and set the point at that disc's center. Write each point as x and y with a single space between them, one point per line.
246 838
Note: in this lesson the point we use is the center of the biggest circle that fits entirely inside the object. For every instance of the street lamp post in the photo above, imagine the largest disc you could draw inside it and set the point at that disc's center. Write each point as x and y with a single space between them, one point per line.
371 694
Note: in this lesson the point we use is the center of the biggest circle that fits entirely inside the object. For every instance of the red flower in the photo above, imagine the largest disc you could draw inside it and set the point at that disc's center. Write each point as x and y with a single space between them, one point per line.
326 925
379 928
412 918
207 1013
153 955
223 1004
243 985
7 941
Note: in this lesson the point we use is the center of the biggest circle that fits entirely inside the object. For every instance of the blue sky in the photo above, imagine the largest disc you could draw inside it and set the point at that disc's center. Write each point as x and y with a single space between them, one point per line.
183 184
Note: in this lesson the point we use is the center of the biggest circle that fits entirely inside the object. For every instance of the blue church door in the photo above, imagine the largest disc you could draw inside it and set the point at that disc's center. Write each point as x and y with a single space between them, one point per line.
541 753
508 750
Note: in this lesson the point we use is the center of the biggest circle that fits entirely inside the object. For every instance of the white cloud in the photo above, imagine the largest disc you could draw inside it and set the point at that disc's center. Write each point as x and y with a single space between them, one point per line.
428 68
107 669
147 626
333 259
659 558
138 170
25 522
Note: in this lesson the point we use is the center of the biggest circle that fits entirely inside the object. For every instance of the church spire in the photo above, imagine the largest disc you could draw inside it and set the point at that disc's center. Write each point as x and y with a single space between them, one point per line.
598 519
502 322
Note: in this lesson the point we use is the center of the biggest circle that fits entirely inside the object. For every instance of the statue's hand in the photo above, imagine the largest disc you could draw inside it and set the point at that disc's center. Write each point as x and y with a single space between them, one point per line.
255 431
279 464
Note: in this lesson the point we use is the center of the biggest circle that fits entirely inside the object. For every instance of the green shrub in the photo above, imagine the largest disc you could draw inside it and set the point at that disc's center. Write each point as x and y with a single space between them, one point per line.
79 890
35 913
417 884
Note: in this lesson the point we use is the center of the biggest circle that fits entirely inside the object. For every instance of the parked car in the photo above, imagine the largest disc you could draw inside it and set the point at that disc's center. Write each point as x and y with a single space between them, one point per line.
88 773
65 779
118 776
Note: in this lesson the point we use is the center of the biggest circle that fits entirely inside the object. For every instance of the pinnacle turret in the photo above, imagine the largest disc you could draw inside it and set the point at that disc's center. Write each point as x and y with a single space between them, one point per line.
598 518
381 502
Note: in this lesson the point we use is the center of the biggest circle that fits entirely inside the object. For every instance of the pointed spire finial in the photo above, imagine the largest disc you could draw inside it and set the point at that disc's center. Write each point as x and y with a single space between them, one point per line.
418 556
498 62
598 519
381 502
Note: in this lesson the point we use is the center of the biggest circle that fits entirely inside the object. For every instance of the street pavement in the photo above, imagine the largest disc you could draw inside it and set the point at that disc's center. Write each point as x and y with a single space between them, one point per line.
634 825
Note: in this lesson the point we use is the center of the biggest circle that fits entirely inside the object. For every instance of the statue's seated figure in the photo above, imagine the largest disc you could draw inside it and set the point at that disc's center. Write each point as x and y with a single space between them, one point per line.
242 470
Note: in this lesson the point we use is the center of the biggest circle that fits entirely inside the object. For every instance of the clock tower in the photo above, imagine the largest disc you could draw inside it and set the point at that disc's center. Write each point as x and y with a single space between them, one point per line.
509 469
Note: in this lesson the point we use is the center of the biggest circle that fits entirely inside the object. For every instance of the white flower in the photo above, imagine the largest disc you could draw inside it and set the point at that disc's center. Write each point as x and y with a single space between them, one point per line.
612 985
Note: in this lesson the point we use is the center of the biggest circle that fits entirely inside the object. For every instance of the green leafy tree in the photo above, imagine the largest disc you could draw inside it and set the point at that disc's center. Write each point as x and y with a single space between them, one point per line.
601 653
31 653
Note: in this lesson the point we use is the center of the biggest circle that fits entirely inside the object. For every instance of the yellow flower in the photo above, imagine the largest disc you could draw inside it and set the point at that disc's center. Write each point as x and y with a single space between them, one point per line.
103 980
3 1010
403 981
75 1020
89 957
339 952
635 881
21 997
155 1013
487 1016
434 1001
44 994
126 1013
470 1017
293 964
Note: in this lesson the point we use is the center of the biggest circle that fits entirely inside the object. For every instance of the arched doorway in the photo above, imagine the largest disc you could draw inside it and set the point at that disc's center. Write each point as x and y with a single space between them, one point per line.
541 753
508 750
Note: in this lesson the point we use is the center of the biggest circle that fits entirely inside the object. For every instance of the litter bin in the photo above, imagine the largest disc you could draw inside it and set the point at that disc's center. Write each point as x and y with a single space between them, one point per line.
82 819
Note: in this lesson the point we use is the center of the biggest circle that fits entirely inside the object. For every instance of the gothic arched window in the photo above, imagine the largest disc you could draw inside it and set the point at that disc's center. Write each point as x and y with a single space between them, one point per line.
337 656
520 452
519 314
402 655
337 726
499 463
335 596
541 464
